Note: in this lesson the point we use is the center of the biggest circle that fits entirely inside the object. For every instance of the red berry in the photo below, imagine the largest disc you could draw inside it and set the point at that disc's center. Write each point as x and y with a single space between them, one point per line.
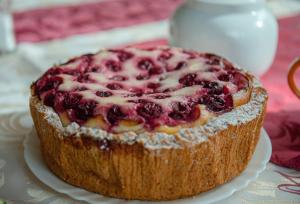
165 55
82 63
142 77
104 93
49 99
212 59
83 78
71 100
149 110
114 114
183 111
81 88
136 92
113 65
224 77
114 86
155 71
152 85
213 87
213 69
47 83
146 64
84 110
54 71
240 80
95 69
217 103
162 96
227 65
188 79
180 65
179 110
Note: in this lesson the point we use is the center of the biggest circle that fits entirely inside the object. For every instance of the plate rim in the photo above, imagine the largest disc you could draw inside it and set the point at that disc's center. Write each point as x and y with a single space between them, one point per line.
236 184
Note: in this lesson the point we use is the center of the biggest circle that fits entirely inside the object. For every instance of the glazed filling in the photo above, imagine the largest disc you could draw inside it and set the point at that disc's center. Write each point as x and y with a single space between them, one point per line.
144 88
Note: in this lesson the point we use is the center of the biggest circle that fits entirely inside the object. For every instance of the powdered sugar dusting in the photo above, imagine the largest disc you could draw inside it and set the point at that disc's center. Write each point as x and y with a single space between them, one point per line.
51 116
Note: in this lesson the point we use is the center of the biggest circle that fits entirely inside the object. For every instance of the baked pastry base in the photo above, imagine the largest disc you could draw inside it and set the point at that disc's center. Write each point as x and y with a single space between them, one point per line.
131 171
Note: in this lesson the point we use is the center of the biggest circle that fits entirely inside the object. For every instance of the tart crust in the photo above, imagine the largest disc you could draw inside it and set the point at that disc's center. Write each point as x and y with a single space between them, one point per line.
135 171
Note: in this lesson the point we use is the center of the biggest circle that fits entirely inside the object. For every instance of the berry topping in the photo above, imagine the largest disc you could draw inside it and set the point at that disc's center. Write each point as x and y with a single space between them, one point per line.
46 84
213 69
149 110
71 100
155 71
213 87
240 80
83 78
217 103
85 110
146 64
165 55
224 77
138 94
180 65
123 55
183 111
82 88
82 63
212 59
227 65
114 86
49 99
114 114
150 87
188 79
54 71
113 65
104 93
137 91
142 77
95 69
162 96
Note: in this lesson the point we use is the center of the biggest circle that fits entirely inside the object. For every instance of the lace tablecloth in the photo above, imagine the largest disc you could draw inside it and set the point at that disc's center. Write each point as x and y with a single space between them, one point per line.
18 185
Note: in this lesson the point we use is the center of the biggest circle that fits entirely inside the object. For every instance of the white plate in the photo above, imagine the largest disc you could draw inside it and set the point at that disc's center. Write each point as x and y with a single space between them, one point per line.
258 163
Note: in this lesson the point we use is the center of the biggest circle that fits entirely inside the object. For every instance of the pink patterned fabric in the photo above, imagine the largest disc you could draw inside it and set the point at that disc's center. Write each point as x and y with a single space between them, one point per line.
59 22
293 186
283 114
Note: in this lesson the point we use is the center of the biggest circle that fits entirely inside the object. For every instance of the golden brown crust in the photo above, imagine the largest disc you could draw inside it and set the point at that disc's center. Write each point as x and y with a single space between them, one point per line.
134 172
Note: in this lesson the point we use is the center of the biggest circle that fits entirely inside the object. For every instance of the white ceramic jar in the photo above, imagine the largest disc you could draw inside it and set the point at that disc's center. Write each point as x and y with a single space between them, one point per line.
244 31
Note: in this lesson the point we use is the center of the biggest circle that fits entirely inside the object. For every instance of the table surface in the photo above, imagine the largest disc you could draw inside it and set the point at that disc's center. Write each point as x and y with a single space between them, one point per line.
19 69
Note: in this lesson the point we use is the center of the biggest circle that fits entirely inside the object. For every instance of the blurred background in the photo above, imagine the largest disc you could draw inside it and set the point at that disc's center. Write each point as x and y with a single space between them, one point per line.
35 34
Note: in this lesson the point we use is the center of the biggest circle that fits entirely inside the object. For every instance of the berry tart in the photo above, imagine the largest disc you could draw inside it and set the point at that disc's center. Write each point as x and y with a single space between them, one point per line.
148 124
